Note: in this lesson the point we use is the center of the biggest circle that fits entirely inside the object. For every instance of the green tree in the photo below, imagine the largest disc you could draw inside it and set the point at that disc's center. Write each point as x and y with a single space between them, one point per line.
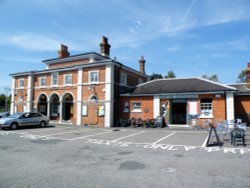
170 74
2 102
213 77
242 77
155 76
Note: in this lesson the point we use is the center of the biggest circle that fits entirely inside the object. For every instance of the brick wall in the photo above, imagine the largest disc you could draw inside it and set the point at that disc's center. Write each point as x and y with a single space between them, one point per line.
146 108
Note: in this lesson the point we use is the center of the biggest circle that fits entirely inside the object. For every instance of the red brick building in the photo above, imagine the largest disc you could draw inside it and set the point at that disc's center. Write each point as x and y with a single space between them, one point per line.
93 89
78 89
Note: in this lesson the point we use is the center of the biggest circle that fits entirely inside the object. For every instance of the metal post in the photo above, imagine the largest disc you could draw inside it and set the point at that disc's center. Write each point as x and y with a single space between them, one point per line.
7 90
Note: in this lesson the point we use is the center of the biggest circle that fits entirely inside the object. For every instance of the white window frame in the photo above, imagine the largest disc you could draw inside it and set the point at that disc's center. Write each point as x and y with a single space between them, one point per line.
123 79
21 83
41 82
126 107
136 106
68 79
52 78
97 77
206 109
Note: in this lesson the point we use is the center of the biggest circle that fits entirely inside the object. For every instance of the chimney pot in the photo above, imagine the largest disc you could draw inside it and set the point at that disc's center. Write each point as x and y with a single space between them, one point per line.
105 46
248 75
142 64
63 51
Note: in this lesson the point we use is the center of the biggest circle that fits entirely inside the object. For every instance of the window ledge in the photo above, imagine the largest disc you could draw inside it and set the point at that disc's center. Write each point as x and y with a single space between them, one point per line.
206 117
137 111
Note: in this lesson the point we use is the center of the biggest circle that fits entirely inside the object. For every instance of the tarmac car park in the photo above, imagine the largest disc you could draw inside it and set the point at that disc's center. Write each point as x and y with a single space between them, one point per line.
80 156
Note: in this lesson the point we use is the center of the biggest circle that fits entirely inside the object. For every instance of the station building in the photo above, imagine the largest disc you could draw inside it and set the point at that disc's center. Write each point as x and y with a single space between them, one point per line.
96 90
78 89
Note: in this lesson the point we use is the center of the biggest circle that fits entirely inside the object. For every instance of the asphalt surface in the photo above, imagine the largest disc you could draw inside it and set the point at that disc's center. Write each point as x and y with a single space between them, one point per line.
71 156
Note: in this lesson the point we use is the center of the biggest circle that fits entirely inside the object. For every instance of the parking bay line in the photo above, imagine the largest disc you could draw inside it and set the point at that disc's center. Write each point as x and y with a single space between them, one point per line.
89 136
164 138
127 136
37 131
69 132
205 142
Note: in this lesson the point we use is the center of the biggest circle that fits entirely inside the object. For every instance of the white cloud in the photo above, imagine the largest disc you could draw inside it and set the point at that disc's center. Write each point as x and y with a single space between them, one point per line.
36 42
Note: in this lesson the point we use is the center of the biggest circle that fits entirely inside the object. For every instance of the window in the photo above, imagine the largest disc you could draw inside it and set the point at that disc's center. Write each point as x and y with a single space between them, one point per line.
94 76
136 107
67 79
123 79
43 82
206 108
93 98
140 81
54 79
21 83
126 107
55 109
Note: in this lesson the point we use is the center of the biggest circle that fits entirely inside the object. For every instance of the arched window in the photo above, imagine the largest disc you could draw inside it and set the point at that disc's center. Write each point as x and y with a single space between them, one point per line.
93 98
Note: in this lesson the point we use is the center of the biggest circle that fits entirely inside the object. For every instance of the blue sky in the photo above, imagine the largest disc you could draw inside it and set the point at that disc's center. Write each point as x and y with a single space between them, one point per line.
190 37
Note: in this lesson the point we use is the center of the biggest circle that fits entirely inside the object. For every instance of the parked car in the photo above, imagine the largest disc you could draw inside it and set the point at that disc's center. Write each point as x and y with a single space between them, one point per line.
24 119
4 114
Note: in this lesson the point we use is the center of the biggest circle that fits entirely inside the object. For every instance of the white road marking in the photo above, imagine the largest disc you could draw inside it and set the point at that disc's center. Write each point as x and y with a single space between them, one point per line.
127 136
164 138
90 135
44 130
205 142
69 132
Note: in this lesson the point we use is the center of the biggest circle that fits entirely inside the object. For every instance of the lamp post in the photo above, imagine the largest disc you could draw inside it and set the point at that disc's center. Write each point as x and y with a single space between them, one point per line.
7 90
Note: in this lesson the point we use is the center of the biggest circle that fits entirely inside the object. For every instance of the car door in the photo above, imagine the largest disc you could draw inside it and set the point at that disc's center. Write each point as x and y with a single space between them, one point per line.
25 119
35 119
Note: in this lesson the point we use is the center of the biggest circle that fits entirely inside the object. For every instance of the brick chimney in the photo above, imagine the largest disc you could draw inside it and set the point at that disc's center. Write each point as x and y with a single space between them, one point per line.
105 46
248 75
142 65
63 52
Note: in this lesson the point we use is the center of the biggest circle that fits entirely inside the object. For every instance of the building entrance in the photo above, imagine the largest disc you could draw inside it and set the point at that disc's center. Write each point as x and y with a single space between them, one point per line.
178 112
68 107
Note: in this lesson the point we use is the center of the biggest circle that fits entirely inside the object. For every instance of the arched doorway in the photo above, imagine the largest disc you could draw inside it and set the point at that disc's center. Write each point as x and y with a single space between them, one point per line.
54 107
68 107
42 104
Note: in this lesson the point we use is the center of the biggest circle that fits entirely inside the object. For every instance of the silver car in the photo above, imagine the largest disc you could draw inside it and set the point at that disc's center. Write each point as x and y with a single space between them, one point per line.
4 114
24 119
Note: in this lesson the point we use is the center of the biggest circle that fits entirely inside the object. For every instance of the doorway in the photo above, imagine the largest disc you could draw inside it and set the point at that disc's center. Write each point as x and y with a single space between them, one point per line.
68 107
42 104
179 112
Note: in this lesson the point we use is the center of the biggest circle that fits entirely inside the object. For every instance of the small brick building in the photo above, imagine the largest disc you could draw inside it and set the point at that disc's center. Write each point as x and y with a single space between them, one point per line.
93 89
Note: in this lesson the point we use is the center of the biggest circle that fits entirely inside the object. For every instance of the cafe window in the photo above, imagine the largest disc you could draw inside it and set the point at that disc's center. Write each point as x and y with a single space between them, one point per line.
206 107
136 106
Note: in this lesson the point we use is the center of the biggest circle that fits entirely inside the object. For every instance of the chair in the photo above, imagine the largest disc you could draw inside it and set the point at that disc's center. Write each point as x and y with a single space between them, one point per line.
238 134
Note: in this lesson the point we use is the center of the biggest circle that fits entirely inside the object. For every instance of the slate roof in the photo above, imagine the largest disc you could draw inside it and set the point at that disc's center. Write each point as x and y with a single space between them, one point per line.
178 85
242 88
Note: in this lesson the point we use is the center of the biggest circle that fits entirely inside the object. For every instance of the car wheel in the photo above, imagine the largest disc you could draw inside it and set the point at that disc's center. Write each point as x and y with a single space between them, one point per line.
13 126
42 124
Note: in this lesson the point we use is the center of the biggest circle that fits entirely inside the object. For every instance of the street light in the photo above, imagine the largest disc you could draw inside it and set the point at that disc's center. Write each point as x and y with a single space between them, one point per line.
7 90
